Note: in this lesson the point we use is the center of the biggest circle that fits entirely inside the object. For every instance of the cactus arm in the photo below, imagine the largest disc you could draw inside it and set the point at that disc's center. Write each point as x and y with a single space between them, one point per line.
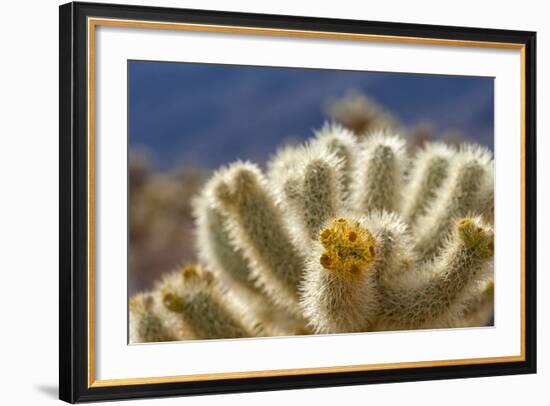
197 299
284 161
437 300
215 250
310 194
320 195
146 324
257 228
378 174
341 142
231 269
395 257
339 291
459 196
486 198
429 171
478 307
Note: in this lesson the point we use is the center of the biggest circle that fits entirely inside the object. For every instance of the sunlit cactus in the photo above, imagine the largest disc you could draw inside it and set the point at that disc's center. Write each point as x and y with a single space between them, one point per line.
147 323
231 269
465 192
204 308
479 308
341 234
308 189
431 168
214 248
439 295
258 229
341 142
339 290
378 174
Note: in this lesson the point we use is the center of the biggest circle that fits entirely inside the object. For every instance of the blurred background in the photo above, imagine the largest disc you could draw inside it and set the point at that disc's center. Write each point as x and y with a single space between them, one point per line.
185 120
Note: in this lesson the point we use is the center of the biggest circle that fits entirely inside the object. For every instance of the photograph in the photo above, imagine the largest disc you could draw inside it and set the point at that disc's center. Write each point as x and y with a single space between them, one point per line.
282 201
254 202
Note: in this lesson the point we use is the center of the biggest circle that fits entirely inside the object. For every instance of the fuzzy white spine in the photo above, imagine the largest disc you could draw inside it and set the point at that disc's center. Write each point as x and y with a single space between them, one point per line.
378 174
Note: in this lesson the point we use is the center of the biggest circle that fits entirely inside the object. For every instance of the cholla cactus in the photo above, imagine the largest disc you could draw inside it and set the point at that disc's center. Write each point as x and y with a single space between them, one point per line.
342 234
360 114
197 299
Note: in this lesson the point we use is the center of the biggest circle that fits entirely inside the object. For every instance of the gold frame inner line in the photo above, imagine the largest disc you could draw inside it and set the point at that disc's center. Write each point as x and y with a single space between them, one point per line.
95 22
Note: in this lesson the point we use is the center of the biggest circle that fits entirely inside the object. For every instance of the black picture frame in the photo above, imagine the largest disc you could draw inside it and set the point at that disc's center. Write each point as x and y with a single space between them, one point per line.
74 385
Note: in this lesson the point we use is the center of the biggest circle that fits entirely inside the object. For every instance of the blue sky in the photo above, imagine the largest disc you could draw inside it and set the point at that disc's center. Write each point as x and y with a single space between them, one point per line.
209 115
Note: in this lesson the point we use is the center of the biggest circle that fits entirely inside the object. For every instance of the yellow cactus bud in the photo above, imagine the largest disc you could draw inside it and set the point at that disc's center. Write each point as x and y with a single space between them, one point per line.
349 248
172 302
189 273
476 237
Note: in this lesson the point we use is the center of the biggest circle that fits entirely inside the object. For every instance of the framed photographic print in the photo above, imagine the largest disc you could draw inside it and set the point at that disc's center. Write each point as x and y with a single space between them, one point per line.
257 202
